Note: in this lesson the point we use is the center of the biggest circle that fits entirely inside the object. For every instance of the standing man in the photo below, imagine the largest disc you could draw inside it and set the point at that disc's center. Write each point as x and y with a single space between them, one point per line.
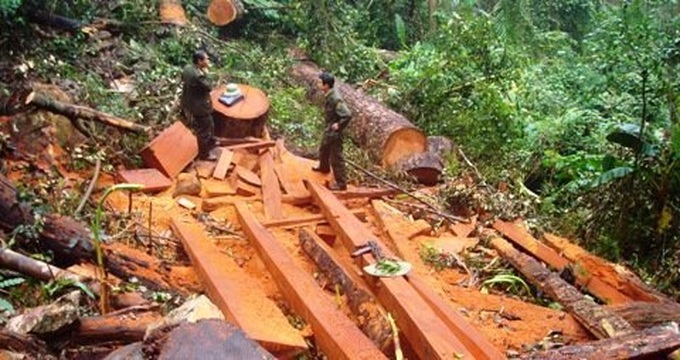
196 104
337 116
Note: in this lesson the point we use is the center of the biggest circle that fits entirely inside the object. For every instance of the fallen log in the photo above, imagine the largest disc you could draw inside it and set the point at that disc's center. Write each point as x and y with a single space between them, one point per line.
651 343
26 344
369 315
598 320
593 284
34 268
440 146
426 167
172 12
224 12
643 315
336 335
124 326
615 275
81 112
387 135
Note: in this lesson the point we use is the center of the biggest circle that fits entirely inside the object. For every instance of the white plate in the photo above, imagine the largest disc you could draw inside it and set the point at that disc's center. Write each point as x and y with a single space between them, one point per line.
372 270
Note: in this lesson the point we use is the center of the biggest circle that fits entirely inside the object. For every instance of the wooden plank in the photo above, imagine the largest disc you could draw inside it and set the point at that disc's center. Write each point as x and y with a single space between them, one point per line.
595 286
171 151
652 343
248 176
429 336
306 220
598 320
337 335
152 179
291 185
223 164
615 275
369 314
271 191
232 290
399 229
214 188
251 145
356 193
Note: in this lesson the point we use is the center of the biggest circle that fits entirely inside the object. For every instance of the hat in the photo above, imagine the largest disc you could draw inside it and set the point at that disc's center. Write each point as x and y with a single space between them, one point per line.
232 90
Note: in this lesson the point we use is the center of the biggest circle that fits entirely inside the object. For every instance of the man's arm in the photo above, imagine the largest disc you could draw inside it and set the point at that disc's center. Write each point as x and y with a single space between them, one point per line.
203 82
344 114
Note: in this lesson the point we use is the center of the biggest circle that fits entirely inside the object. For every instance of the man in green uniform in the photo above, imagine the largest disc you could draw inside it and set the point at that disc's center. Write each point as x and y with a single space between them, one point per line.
196 104
337 116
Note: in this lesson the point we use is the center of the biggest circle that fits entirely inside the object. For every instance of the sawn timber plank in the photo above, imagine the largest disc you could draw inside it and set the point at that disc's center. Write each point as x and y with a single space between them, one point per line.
223 164
336 334
271 191
232 291
427 333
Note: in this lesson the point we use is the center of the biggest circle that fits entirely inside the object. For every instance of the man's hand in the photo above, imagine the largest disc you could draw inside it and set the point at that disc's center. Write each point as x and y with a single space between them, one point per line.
335 126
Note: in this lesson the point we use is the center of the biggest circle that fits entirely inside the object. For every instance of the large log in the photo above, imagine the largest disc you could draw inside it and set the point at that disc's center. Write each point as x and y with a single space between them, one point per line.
224 12
172 12
125 326
424 167
81 112
368 313
651 343
598 320
387 135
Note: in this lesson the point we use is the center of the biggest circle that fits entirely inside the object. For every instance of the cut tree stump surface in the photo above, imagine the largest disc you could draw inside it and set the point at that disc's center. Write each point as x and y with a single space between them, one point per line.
336 334
236 294
254 104
428 334
172 150
544 253
152 179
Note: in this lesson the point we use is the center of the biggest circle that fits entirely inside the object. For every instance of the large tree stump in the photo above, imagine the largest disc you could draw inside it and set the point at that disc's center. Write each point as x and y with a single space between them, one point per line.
245 118
387 135
224 12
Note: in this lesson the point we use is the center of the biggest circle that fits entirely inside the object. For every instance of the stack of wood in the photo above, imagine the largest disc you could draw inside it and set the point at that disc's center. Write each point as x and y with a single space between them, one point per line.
388 136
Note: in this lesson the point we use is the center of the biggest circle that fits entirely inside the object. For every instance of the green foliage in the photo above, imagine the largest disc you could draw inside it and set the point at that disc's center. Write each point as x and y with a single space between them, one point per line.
512 284
57 287
9 7
436 258
5 305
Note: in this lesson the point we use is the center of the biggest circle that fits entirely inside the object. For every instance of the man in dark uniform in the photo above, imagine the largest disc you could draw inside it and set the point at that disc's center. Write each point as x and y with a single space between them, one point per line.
196 104
337 116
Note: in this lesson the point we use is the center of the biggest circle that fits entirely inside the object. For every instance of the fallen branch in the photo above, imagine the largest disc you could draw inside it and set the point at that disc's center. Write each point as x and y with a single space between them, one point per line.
26 344
430 207
76 111
90 188
34 268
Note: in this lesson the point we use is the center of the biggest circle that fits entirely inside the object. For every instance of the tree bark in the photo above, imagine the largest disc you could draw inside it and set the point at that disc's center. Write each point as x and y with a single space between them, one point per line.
440 145
643 315
224 12
651 343
387 135
26 344
598 320
125 326
367 311
425 167
76 111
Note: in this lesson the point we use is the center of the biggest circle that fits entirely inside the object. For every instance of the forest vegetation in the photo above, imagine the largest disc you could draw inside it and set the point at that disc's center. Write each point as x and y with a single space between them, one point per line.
572 105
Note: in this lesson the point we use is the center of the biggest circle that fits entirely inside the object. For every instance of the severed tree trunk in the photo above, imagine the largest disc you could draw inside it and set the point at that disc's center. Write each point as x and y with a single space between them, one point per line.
651 343
440 145
387 135
125 326
172 12
597 319
425 167
224 12
76 111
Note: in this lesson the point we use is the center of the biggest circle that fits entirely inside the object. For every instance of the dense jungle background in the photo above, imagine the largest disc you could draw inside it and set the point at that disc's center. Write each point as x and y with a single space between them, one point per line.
571 105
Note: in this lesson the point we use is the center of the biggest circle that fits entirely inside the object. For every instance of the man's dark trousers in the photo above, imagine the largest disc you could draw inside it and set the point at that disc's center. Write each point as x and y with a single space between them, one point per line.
331 157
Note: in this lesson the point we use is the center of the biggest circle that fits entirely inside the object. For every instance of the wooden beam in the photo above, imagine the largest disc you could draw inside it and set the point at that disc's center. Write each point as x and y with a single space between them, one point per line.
223 164
306 220
615 275
595 286
232 290
337 336
271 191
400 229
425 330
357 193
652 343
598 320
251 145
